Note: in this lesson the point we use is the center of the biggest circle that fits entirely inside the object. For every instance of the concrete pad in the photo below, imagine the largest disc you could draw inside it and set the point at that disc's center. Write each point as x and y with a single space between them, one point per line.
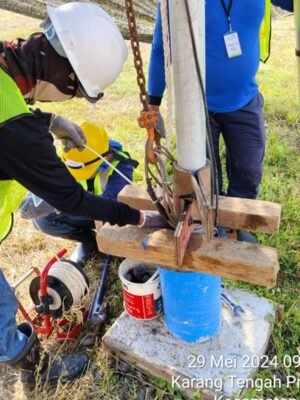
224 365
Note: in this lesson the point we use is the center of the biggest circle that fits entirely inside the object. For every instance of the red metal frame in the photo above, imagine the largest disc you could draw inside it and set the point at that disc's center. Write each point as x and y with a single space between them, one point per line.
45 324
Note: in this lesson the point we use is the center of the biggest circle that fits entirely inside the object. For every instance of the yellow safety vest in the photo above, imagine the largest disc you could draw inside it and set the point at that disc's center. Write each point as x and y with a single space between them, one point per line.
12 103
265 33
12 106
98 189
11 196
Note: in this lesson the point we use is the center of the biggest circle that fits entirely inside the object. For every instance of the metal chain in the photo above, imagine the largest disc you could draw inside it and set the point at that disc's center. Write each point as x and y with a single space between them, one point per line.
135 45
162 195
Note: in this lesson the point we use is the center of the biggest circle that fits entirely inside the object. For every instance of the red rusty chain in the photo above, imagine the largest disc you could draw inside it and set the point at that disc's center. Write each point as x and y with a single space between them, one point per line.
148 118
135 45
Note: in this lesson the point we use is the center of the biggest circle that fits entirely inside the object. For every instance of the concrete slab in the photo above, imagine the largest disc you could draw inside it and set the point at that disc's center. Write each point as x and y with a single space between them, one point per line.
224 365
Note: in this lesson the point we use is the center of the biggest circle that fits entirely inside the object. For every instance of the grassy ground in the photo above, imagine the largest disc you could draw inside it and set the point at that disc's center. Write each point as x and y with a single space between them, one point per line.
117 112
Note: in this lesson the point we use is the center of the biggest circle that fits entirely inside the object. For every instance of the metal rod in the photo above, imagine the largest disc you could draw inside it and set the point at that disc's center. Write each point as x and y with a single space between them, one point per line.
189 106
24 277
110 164
98 312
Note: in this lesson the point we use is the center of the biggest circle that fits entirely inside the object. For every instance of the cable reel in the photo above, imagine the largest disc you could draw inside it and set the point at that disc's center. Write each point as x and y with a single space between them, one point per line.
66 284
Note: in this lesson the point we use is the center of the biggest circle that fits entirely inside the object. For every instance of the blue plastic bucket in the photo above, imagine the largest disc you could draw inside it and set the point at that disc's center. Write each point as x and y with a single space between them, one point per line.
192 304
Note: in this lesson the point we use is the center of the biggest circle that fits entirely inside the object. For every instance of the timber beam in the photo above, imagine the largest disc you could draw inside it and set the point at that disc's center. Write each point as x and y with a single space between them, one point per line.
235 213
225 258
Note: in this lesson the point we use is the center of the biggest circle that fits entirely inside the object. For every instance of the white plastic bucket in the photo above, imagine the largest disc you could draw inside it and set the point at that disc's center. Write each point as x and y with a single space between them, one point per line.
141 300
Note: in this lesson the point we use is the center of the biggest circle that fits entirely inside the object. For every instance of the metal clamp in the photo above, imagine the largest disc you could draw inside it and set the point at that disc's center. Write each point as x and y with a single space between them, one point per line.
149 120
193 205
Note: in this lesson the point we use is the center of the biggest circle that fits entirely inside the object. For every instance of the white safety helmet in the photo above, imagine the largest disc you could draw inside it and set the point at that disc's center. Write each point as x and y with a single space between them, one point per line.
92 43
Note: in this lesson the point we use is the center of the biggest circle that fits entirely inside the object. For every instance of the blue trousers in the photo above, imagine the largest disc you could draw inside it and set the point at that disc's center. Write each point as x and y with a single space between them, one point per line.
12 341
80 229
244 135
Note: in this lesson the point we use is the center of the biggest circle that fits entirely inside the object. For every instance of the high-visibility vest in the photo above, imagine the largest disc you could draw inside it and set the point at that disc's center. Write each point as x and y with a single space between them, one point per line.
98 189
265 33
12 103
12 106
11 196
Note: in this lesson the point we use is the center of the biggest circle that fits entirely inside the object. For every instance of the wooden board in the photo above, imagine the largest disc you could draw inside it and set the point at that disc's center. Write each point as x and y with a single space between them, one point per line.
236 213
226 258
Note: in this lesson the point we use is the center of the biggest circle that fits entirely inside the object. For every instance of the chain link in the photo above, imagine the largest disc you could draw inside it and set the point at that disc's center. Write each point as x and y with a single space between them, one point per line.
135 45
156 159
148 119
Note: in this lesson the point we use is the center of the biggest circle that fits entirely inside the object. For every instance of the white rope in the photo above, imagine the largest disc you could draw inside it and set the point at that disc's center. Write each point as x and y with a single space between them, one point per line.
71 277
168 72
110 164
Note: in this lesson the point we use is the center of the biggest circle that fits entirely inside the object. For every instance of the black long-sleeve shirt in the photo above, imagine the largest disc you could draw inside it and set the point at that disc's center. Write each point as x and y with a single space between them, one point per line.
27 154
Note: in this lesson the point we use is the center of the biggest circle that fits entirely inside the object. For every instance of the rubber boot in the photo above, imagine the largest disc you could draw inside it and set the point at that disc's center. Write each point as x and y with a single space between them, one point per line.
41 368
84 251
226 233
86 248
244 236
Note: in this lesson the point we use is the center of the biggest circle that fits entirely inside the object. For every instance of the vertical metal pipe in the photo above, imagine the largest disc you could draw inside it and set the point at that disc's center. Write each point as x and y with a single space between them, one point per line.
190 325
189 106
297 28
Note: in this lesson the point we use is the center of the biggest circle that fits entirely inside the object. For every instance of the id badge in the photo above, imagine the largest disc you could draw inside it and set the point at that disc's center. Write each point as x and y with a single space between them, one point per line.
232 44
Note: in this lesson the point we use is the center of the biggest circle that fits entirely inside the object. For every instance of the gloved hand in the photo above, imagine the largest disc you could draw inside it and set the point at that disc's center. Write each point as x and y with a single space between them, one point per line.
152 219
70 134
28 210
161 125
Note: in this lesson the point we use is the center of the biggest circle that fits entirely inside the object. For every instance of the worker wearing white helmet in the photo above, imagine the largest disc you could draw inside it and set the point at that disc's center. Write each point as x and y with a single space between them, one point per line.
89 38
81 53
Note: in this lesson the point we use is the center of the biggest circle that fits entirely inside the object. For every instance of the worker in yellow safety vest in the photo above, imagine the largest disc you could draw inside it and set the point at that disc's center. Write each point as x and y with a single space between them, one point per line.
54 65
96 176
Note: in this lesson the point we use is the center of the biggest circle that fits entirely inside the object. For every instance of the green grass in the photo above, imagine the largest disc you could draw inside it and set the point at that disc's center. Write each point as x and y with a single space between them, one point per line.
281 183
118 113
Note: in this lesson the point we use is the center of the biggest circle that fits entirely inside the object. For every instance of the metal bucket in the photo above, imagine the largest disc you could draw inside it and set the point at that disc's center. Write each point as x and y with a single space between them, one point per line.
142 300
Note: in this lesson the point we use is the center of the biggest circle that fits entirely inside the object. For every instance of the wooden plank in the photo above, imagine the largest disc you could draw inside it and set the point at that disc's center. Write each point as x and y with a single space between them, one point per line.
226 258
137 197
253 215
